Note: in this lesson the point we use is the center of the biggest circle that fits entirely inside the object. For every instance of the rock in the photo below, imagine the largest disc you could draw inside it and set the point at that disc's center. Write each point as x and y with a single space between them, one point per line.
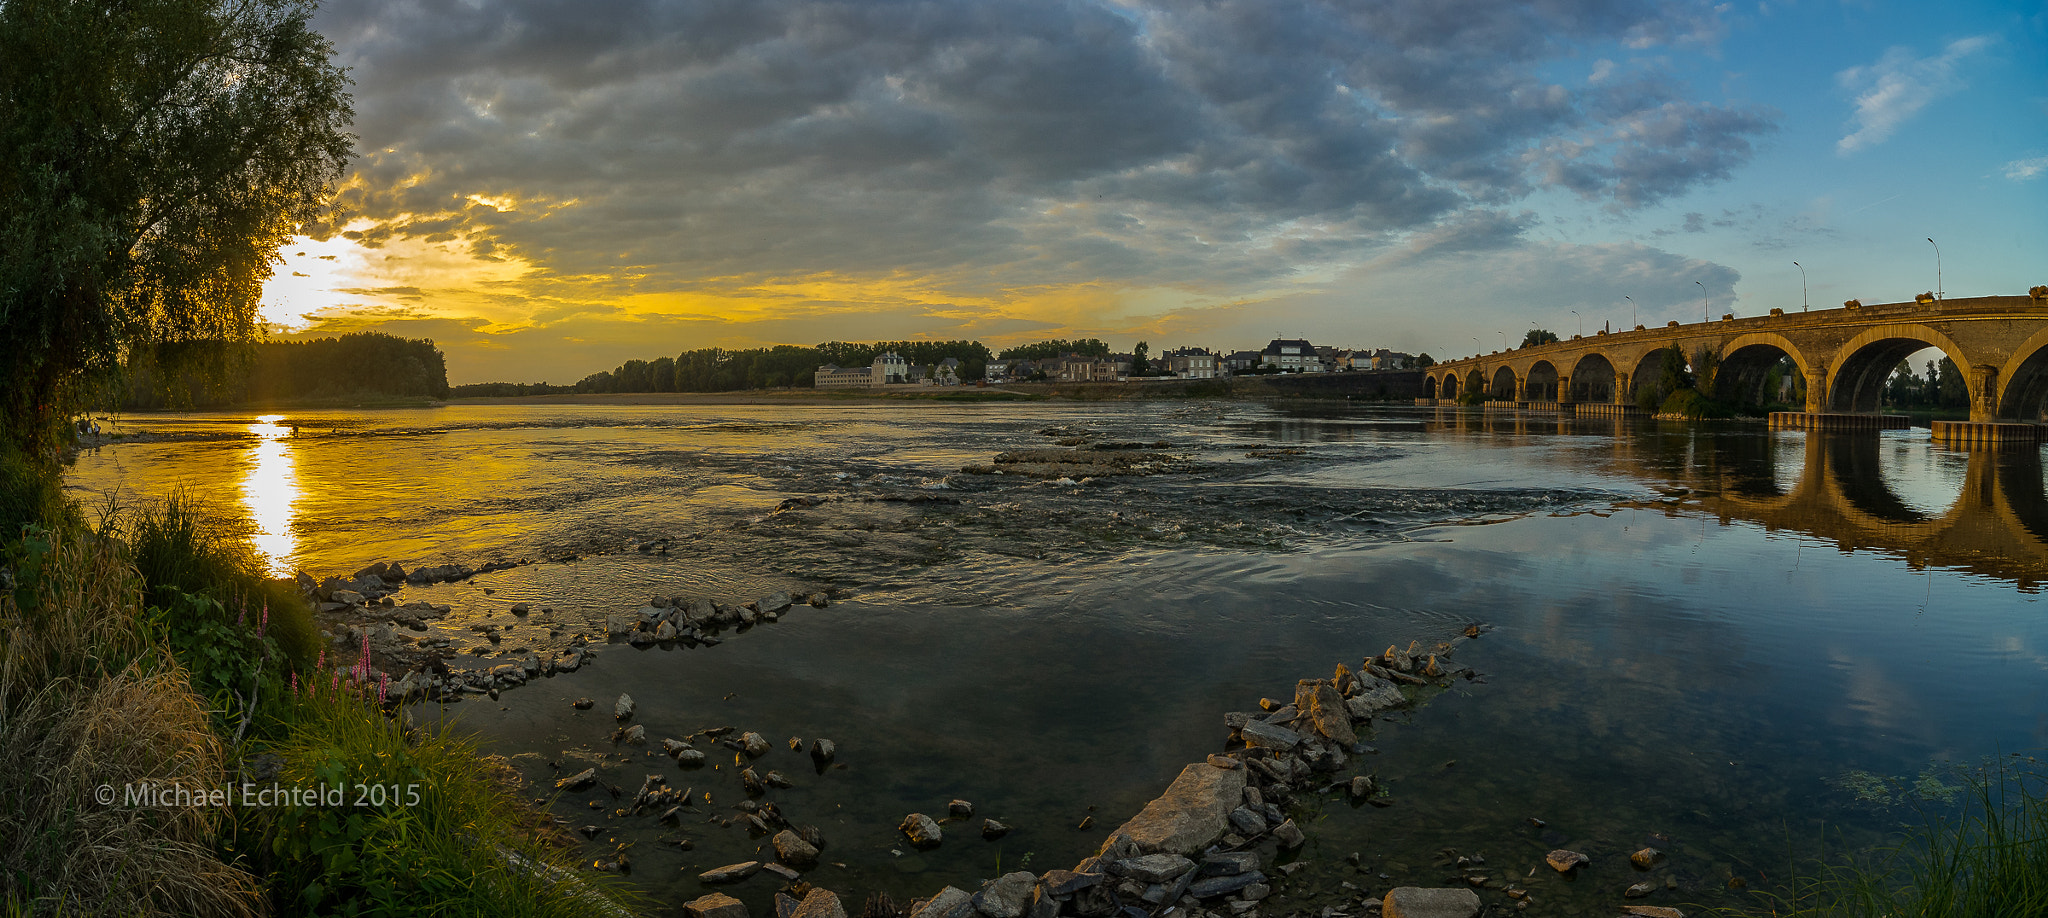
1254 893
791 849
519 608
1248 822
1225 761
1043 904
1230 863
775 779
1397 659
752 782
1563 861
1152 868
1417 902
578 781
1343 680
787 874
1067 882
690 758
1007 896
1362 787
1646 858
775 602
949 903
666 631
755 745
623 708
1374 696
731 873
1267 736
819 903
640 638
1652 911
921 830
1324 711
822 750
1289 835
1640 890
715 905
1211 887
635 734
818 600
618 623
1192 813
346 597
960 809
669 747
508 674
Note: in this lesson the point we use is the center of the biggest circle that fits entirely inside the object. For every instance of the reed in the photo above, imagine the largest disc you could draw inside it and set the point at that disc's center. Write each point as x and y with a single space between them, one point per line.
1987 858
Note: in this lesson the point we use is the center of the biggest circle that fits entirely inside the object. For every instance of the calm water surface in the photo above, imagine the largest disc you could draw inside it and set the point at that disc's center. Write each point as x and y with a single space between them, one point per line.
1696 633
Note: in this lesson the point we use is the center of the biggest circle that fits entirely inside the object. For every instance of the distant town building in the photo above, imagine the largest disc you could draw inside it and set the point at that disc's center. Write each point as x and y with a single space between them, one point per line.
1291 355
1240 361
1193 363
887 370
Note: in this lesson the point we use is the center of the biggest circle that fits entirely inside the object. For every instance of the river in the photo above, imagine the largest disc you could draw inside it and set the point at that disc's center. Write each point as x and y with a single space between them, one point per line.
1705 639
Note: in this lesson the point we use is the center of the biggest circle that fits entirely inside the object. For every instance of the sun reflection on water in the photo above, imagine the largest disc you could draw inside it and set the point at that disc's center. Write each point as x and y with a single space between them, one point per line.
270 490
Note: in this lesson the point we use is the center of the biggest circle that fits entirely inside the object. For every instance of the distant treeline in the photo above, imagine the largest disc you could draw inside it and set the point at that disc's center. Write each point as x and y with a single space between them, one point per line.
1942 387
354 366
721 370
1086 347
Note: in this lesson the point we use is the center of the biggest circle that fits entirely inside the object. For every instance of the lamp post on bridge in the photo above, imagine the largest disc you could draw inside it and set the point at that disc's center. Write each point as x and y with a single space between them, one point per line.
1632 323
1582 323
1802 285
1937 268
1706 312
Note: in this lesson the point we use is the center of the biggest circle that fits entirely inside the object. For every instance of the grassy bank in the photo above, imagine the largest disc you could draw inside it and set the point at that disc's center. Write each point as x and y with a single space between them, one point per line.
147 652
1984 857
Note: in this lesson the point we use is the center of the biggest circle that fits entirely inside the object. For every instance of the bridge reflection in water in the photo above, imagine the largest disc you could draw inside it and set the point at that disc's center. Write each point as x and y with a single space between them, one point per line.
1832 487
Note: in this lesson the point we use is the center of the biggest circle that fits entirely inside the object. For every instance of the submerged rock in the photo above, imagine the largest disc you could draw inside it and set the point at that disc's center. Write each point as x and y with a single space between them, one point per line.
992 830
820 903
754 744
1564 861
791 849
822 750
623 708
959 809
1646 858
921 830
948 903
578 781
1418 902
731 873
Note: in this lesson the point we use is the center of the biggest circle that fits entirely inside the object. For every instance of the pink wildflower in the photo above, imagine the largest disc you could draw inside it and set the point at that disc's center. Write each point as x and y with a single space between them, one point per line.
383 683
295 682
322 662
265 623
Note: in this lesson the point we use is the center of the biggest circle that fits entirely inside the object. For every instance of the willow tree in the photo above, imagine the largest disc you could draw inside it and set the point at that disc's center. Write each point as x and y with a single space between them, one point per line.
154 155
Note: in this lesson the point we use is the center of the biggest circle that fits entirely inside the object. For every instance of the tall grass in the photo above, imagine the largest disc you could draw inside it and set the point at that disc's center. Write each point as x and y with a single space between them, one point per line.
181 548
441 836
88 701
1987 860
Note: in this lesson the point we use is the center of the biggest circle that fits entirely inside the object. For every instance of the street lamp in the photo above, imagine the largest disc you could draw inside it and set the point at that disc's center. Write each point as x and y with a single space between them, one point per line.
1802 285
1706 312
1937 267
1582 323
1632 323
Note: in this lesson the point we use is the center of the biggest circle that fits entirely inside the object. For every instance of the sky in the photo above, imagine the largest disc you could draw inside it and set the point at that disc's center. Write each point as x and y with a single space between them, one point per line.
550 189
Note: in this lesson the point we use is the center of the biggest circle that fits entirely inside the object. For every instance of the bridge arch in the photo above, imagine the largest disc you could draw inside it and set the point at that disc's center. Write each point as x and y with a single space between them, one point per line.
1542 382
1857 374
1746 363
1449 391
1429 385
1503 387
1593 379
2023 381
1648 371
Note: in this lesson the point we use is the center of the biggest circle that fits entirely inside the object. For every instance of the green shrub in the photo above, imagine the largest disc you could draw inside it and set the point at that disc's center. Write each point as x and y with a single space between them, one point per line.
183 551
1691 404
441 838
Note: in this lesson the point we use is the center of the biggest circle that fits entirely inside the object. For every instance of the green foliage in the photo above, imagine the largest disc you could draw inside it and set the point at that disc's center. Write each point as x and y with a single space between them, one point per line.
1471 395
1140 366
1689 403
364 364
1058 347
182 553
1942 388
1538 336
1424 360
31 493
232 660
1672 376
434 840
720 370
1706 365
153 157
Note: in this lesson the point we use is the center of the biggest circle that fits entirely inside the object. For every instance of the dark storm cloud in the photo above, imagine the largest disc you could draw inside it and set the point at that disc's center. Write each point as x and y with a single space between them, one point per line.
643 146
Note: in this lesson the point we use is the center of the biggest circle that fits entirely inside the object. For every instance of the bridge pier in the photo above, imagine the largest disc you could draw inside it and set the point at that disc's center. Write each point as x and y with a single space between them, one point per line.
1835 420
1984 404
1976 433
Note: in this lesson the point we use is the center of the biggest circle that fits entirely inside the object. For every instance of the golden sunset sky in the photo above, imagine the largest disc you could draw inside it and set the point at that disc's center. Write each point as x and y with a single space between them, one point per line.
549 189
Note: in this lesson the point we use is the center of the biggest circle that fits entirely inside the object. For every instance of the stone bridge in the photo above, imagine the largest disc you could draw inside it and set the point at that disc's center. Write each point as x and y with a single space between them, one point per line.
1845 355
